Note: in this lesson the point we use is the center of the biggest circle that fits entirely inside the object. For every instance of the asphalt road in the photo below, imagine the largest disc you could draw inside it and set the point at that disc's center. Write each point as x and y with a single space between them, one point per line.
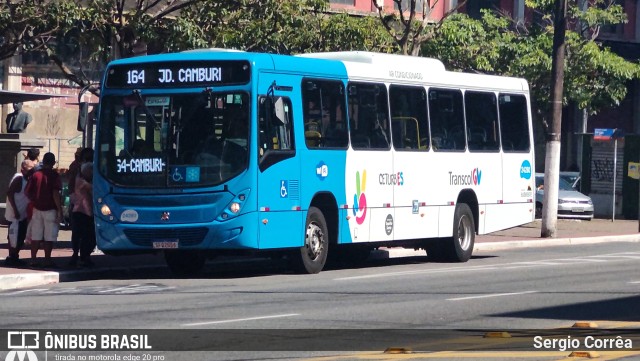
524 289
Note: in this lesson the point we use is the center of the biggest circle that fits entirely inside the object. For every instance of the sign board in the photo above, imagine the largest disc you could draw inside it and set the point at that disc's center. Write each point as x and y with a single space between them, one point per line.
634 170
607 133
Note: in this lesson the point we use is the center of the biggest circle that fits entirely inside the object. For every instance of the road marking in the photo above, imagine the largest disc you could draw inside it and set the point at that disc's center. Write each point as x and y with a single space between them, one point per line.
25 291
634 282
240 320
620 256
491 295
417 272
511 265
582 259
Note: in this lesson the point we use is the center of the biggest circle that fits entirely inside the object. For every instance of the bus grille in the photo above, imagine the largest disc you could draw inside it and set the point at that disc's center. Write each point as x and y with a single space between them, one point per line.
184 236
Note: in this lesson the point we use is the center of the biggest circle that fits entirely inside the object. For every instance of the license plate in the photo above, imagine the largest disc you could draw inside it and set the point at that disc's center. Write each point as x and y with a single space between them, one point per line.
577 210
165 244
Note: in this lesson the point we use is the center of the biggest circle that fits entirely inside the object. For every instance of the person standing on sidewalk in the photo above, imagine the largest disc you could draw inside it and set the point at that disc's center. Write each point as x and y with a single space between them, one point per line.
83 225
43 189
16 213
82 155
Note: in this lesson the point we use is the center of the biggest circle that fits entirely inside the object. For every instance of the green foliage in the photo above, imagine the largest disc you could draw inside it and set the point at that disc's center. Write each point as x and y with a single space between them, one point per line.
594 77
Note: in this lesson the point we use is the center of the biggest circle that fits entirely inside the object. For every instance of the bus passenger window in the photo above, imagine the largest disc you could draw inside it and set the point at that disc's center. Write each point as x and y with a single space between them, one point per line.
410 126
514 125
447 119
323 109
369 123
482 121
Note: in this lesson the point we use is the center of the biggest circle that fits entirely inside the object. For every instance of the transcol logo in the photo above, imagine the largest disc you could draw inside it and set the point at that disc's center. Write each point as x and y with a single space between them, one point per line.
525 170
472 178
359 199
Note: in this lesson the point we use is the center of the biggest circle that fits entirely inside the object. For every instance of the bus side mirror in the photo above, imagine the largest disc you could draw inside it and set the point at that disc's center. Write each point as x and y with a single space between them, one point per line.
274 107
278 111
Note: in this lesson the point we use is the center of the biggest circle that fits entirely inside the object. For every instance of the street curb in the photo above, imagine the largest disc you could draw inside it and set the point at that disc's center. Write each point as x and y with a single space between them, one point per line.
24 280
386 253
494 246
34 279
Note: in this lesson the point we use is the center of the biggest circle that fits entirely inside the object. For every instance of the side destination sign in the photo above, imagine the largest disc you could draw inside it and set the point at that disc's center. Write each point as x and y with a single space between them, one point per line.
178 74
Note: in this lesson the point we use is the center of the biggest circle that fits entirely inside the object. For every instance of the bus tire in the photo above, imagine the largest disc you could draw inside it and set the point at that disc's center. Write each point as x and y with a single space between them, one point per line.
312 256
185 263
464 234
459 247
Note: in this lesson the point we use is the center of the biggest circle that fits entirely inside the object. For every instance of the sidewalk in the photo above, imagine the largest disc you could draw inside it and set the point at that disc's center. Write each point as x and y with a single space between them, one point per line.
569 232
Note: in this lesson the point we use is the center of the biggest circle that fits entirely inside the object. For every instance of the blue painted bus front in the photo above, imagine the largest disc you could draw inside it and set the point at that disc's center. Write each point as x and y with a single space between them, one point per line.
194 214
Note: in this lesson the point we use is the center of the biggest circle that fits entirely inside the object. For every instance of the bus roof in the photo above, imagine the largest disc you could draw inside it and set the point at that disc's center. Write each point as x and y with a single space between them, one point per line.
356 65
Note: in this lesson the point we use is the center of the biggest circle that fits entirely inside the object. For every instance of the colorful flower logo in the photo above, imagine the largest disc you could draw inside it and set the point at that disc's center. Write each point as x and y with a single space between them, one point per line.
359 199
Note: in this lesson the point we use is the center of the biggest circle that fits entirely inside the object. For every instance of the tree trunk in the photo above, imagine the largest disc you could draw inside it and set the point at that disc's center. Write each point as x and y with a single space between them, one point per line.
552 163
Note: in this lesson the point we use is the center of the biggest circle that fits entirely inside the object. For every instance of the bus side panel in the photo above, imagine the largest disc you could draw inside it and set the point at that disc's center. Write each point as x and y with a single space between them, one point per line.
281 229
445 218
323 171
486 176
519 184
369 190
502 216
416 215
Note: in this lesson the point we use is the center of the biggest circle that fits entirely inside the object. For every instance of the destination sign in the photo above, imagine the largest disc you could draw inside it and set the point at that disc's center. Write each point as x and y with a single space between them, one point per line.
178 74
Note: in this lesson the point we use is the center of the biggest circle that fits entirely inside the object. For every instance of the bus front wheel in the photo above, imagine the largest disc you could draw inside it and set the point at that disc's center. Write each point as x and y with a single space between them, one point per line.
312 256
185 263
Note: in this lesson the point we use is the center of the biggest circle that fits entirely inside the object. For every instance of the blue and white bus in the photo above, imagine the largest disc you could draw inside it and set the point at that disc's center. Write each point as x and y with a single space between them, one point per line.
210 151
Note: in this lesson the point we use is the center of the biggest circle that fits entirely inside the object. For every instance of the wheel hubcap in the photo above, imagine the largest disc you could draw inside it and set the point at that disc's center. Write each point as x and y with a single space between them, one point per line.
464 233
314 241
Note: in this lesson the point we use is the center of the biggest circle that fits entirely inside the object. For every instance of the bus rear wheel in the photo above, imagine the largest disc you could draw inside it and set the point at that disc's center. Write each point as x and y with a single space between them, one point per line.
459 247
312 256
185 263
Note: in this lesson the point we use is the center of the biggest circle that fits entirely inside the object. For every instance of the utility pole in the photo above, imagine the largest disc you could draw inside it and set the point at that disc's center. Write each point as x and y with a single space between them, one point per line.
552 158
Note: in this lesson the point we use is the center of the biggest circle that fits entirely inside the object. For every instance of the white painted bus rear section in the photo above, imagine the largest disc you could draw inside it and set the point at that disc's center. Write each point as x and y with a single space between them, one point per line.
504 197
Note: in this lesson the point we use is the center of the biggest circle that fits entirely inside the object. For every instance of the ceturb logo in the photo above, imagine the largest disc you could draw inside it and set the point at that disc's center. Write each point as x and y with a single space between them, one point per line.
472 178
359 199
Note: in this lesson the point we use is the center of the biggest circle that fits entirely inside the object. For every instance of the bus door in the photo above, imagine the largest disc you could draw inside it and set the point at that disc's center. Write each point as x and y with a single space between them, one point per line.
517 160
280 216
370 176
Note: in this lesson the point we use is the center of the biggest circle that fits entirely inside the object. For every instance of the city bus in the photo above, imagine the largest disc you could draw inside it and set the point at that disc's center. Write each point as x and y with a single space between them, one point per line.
210 152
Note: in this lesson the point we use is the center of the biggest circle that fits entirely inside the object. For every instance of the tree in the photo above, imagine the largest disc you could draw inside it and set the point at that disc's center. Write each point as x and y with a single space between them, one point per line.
282 27
595 77
29 25
411 26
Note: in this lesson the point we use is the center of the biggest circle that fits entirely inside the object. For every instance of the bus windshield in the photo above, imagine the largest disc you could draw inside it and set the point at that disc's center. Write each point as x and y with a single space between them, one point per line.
179 140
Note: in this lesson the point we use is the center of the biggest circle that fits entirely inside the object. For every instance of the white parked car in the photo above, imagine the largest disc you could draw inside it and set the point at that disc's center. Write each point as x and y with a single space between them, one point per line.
571 203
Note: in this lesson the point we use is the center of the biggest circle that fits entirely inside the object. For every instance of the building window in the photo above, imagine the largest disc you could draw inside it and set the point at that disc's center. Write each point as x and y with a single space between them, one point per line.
613 31
406 4
343 2
473 7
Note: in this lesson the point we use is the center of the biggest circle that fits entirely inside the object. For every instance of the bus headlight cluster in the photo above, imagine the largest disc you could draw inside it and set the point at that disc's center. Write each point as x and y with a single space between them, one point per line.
105 210
233 208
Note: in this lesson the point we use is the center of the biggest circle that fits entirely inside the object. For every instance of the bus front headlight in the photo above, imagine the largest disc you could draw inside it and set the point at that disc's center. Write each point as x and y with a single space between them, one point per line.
105 210
235 206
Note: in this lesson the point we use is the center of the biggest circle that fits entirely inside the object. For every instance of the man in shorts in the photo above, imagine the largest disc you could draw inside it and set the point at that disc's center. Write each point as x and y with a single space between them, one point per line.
43 189
16 212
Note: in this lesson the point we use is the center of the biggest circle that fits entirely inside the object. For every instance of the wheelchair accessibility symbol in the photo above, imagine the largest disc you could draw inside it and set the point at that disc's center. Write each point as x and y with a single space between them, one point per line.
177 175
284 185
